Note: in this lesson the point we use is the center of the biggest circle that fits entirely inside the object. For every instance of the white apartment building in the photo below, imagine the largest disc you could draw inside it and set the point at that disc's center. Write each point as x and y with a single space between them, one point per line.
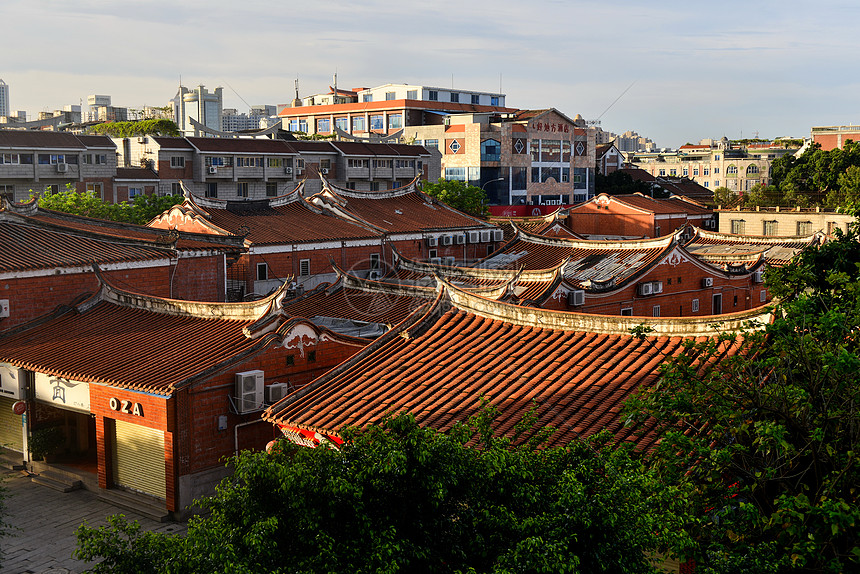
200 105
4 98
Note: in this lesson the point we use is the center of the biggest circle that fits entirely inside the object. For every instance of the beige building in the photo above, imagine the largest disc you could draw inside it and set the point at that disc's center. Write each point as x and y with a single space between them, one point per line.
773 221
714 164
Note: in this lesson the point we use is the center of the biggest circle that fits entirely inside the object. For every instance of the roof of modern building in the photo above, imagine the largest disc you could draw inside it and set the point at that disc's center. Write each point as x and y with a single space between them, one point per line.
136 173
151 344
440 365
40 139
401 210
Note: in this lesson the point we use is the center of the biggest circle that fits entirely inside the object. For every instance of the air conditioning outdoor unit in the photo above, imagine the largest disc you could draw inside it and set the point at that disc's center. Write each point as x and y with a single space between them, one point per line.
324 171
249 391
707 282
498 235
485 237
435 261
62 167
432 241
213 169
656 286
447 240
460 239
646 288
758 276
576 298
474 236
374 275
450 261
141 140
276 391
13 383
288 170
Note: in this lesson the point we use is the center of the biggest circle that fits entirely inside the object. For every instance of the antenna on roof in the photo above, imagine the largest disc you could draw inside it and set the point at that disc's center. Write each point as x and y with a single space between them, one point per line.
297 88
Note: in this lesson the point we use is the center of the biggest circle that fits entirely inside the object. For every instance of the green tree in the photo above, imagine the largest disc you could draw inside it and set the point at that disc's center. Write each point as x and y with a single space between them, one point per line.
400 498
619 182
725 197
141 211
152 127
767 441
459 195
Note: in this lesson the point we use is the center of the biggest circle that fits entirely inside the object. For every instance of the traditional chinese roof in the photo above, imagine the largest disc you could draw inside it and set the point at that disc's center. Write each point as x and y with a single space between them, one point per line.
151 344
401 210
724 248
550 225
576 370
280 220
655 206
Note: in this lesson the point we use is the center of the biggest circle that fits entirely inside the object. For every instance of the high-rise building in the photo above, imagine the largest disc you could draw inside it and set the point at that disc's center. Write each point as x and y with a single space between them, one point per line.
200 105
4 98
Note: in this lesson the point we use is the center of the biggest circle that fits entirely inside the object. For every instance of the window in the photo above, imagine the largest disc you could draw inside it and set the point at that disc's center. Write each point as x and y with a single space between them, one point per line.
673 172
694 306
357 163
732 171
212 189
716 170
290 360
395 121
96 188
323 125
134 192
804 227
10 158
494 100
662 173
752 170
686 172
455 97
717 157
304 267
271 189
350 185
455 173
377 122
770 228
53 188
303 126
300 165
738 226
432 253
374 260
490 249
53 159
374 186
382 164
242 189
342 124
762 296
491 150
707 184
367 98
655 311
390 96
325 163
177 161
431 144
433 95
274 162
735 302
358 124
411 94
476 99
312 356
706 171
249 162
8 191
454 146
262 272
716 183
627 311
695 172
175 188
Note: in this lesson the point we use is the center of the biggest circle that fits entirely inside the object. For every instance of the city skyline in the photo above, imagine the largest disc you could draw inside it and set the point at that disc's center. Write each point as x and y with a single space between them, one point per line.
672 72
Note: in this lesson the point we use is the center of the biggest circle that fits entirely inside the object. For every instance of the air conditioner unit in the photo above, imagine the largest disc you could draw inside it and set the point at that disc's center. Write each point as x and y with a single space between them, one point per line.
432 241
276 391
498 235
249 391
450 261
288 170
324 171
62 167
374 275
460 239
141 140
13 382
656 287
707 282
758 276
213 169
474 237
435 261
576 298
485 237
447 240
646 288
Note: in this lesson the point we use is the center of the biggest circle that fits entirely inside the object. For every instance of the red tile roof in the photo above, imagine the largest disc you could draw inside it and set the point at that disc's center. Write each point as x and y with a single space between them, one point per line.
149 344
401 210
576 370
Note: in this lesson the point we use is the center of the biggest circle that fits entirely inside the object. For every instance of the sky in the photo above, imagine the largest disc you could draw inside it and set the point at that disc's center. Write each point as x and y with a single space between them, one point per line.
673 71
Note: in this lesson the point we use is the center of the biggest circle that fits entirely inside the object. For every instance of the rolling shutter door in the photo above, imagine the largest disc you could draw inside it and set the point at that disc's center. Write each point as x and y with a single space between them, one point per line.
139 459
11 434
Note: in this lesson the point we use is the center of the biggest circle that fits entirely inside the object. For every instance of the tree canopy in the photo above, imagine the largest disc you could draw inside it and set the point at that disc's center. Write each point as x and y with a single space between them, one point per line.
150 127
619 182
459 195
767 442
143 209
401 498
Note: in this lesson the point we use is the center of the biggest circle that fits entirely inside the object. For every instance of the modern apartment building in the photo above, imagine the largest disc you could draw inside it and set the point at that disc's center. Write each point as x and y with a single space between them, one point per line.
197 104
4 98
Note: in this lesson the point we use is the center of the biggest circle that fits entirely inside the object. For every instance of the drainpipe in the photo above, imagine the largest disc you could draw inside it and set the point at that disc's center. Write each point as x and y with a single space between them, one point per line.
236 434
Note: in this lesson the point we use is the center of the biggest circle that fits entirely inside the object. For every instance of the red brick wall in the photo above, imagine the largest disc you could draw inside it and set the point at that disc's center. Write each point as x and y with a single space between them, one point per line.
167 172
199 278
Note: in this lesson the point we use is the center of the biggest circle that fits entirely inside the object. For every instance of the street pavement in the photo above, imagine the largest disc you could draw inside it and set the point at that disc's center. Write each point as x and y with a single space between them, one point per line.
43 523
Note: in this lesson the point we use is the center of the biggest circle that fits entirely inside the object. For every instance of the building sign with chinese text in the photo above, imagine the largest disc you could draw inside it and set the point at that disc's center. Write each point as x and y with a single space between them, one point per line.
62 392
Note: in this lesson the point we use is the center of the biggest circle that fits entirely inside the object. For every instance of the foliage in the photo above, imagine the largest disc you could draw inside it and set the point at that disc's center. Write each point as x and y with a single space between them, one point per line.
725 197
45 441
459 195
141 211
151 127
619 182
816 177
767 441
400 498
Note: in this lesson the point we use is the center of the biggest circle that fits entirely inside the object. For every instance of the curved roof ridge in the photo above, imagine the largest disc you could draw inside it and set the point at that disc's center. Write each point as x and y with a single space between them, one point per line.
252 311
343 192
709 325
216 203
763 239
627 244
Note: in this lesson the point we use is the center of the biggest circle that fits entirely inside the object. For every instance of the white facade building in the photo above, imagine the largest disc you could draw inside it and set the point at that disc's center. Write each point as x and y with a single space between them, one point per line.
4 98
200 105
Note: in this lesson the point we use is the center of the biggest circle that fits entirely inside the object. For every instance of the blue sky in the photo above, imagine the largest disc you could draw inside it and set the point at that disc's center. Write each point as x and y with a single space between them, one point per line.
694 69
